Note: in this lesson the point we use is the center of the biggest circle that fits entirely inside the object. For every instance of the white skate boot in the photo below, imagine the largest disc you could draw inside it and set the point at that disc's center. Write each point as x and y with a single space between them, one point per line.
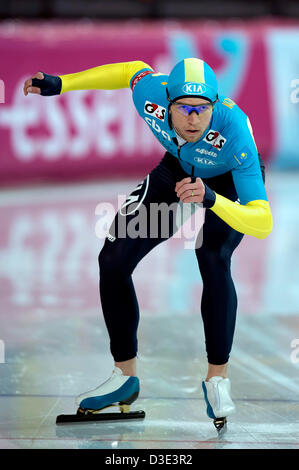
219 403
118 390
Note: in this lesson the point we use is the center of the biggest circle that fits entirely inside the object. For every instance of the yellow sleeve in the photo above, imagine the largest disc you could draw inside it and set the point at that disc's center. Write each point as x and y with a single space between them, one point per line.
103 77
254 218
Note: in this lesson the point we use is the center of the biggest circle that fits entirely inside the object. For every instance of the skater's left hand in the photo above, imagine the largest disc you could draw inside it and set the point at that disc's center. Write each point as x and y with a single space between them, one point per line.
190 192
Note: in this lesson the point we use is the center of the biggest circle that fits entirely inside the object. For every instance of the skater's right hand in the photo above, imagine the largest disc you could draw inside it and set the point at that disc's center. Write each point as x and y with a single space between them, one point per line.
28 88
43 84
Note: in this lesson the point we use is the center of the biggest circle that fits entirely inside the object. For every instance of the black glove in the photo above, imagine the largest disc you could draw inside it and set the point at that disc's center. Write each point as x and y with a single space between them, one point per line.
209 198
49 85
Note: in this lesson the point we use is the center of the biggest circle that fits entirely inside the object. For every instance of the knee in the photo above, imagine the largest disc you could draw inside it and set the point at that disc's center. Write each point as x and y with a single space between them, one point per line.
113 261
211 259
105 259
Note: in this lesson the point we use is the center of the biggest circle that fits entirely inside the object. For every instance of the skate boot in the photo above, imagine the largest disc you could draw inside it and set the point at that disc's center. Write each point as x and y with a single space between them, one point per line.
119 390
219 403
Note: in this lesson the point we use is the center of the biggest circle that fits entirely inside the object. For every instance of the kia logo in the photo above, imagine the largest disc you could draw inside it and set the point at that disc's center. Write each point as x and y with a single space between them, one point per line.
193 88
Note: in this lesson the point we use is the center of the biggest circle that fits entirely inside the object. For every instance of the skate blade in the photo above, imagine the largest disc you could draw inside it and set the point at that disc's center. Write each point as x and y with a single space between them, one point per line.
221 426
92 417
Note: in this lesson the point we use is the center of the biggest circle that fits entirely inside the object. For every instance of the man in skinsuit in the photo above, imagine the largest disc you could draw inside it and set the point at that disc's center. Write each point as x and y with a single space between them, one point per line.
212 160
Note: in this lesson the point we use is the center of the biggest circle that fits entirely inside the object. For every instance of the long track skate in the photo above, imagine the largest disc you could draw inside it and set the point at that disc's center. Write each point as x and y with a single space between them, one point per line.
84 415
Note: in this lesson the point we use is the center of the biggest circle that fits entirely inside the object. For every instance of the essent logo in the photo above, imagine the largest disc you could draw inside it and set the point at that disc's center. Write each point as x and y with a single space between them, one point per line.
194 88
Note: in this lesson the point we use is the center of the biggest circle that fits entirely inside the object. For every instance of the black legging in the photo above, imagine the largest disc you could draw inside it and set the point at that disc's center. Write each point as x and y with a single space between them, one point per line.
118 259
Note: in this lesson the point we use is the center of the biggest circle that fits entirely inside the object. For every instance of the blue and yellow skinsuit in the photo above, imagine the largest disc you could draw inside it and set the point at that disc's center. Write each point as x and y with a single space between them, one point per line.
227 160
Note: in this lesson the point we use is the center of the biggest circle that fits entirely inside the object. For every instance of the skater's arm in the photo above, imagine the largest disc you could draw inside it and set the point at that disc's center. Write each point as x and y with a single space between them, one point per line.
252 215
103 77
253 218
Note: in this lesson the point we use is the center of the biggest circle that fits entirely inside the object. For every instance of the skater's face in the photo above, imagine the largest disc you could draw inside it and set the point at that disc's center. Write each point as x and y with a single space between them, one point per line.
191 125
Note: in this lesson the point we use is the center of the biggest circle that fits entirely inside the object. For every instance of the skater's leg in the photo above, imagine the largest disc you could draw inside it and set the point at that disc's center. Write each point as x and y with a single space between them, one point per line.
119 258
219 303
218 306
120 255
219 299
117 261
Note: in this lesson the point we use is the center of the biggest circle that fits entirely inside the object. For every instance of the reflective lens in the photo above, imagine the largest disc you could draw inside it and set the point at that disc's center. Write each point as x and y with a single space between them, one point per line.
186 109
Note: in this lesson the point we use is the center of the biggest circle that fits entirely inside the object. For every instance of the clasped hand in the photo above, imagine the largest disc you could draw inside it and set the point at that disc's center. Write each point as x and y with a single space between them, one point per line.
190 192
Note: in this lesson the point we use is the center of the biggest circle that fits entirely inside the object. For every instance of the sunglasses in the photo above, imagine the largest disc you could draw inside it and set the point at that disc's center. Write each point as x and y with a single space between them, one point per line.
187 109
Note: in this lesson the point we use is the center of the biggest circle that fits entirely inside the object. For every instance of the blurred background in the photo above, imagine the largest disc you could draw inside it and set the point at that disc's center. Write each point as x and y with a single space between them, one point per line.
62 156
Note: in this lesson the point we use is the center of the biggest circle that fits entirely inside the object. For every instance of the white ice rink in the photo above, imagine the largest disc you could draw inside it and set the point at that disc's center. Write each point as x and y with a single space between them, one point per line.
54 344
